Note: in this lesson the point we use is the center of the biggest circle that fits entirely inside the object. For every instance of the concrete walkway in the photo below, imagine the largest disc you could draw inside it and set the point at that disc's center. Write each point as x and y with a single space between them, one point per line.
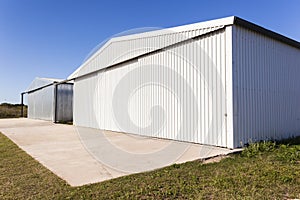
84 155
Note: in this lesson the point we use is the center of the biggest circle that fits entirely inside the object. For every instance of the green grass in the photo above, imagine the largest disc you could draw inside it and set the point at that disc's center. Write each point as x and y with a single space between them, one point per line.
8 110
263 171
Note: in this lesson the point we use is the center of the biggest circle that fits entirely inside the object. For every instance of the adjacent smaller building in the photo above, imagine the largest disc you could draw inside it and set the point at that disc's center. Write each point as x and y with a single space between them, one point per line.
50 100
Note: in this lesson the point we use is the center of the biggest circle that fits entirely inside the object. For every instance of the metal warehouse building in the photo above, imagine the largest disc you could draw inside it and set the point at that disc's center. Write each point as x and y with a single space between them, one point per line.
48 100
223 82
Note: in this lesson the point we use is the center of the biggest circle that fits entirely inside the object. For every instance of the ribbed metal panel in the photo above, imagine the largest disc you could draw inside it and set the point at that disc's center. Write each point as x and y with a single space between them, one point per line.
266 87
177 94
42 101
64 102
117 49
40 104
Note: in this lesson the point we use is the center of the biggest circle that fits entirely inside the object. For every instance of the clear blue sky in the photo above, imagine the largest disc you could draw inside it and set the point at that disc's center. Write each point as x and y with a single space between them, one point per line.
51 38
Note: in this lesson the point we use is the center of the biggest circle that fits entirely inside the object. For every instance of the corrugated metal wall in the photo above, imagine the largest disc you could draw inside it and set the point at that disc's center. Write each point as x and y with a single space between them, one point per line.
40 104
177 94
64 102
123 48
266 87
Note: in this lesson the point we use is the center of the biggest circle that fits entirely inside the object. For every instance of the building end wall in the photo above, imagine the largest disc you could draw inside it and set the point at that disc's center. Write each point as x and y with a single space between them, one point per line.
266 87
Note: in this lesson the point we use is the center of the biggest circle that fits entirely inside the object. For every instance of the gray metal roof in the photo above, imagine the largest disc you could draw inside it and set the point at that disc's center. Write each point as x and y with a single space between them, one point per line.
41 82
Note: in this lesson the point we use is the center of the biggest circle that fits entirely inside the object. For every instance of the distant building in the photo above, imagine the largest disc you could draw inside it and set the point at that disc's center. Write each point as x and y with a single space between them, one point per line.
49 101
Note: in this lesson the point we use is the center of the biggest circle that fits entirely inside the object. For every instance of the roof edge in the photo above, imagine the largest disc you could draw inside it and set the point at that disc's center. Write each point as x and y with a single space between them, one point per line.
246 24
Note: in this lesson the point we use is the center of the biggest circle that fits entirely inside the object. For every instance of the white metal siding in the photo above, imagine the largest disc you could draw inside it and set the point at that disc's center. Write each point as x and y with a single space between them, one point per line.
155 90
123 48
41 101
40 104
229 89
266 87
